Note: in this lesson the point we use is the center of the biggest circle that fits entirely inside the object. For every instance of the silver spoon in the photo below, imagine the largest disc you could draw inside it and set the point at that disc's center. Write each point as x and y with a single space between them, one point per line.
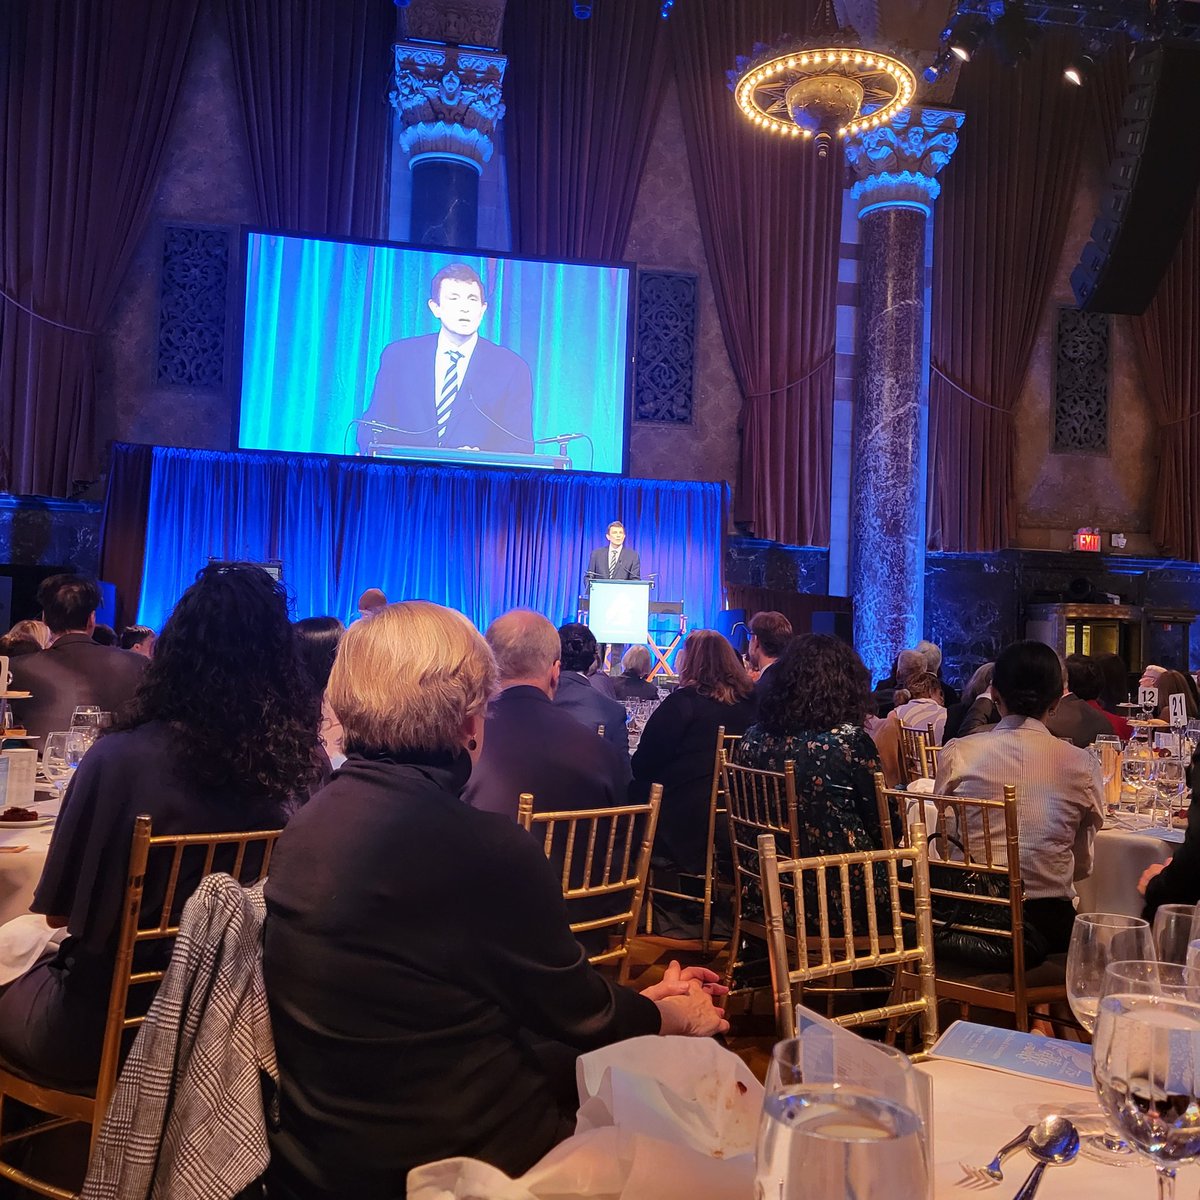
1054 1140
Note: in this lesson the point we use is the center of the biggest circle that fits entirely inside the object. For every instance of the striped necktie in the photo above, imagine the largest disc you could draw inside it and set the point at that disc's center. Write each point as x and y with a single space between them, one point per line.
448 392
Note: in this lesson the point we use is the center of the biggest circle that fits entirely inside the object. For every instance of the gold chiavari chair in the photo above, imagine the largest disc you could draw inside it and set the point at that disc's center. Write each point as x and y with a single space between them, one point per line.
757 802
932 754
595 847
245 856
716 812
978 901
914 756
798 957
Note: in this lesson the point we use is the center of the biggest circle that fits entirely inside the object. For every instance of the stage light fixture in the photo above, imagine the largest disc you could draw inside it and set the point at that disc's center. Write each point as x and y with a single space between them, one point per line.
1079 69
582 9
964 43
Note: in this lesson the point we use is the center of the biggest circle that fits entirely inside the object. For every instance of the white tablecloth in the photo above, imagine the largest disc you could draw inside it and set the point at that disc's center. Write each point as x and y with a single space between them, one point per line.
20 872
1120 857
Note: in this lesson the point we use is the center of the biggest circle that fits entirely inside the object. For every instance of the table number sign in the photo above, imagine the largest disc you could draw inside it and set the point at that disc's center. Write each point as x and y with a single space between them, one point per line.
1179 717
1148 697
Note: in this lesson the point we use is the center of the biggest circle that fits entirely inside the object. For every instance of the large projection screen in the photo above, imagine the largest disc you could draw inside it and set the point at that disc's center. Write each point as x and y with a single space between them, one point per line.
346 350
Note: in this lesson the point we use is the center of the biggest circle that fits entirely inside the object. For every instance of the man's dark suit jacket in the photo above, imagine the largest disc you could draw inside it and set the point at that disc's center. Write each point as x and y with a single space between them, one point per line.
493 409
577 696
532 745
629 565
762 685
75 670
1077 720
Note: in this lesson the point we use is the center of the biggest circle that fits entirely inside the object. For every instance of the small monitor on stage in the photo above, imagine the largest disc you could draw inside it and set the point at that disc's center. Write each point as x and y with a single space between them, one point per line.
433 355
619 610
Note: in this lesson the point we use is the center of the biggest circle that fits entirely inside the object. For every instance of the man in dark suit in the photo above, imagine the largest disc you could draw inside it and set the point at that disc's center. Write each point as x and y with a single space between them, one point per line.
770 633
1074 718
531 744
452 389
576 692
615 560
74 670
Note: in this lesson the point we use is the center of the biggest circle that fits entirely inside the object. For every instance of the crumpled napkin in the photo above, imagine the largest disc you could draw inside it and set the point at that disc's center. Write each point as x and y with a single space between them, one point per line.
659 1119
24 940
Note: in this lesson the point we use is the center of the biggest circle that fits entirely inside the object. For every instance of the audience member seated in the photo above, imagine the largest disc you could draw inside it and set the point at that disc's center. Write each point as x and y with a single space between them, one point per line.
74 670
814 716
531 744
1060 793
918 698
933 659
1177 880
1073 718
577 694
140 639
678 749
221 736
770 633
104 635
417 949
317 640
1173 683
632 683
1114 689
37 631
976 711
1085 681
13 645
371 602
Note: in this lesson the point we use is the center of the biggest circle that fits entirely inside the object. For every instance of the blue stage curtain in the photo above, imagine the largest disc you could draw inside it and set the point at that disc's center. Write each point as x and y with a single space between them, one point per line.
481 541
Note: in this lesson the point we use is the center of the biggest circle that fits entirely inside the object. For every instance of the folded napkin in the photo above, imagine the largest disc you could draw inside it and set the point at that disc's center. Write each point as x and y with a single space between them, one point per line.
659 1119
24 940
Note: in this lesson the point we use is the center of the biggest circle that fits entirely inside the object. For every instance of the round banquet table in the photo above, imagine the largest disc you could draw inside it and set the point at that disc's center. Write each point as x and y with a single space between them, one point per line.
20 870
1118 860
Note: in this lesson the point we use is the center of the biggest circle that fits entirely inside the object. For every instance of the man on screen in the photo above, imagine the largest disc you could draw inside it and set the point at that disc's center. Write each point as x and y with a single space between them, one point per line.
452 389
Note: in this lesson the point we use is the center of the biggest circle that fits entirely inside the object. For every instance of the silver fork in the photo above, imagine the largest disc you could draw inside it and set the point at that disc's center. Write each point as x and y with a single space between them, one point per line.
992 1173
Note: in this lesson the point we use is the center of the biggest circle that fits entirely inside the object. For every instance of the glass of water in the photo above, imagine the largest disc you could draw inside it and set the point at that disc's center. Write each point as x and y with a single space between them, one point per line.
1098 939
1146 1068
1173 931
1170 778
827 1140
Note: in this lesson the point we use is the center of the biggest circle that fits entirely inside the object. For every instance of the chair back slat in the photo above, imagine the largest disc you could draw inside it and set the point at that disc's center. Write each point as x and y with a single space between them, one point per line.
914 753
796 962
616 827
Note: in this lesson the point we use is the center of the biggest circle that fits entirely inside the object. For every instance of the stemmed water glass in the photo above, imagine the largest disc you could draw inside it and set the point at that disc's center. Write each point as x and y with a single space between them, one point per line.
1136 766
1107 751
1146 1068
1170 778
1173 931
55 763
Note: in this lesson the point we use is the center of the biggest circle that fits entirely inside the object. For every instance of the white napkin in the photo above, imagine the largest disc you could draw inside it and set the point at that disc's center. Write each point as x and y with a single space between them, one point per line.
659 1119
24 940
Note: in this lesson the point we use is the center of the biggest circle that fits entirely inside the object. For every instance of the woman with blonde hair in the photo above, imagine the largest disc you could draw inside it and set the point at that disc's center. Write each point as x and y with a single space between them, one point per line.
417 955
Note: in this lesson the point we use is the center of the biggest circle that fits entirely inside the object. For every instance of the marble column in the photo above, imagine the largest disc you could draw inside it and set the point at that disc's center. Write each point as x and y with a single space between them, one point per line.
448 100
896 168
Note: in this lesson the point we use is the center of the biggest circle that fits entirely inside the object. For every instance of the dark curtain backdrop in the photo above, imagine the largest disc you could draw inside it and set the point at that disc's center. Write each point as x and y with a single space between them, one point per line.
770 216
582 99
999 229
123 528
479 541
87 91
313 77
1168 338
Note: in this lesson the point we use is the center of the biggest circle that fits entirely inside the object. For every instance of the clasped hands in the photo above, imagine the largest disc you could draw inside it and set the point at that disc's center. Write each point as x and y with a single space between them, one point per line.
685 1001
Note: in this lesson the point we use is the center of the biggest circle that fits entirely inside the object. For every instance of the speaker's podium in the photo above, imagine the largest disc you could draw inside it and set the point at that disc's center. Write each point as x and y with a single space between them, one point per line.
619 610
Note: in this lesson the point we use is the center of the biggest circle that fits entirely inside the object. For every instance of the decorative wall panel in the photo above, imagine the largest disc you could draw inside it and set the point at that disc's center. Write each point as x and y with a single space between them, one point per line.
666 347
192 307
1081 346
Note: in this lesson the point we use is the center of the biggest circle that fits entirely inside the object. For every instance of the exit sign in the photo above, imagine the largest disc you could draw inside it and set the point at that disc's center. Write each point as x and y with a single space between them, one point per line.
1089 540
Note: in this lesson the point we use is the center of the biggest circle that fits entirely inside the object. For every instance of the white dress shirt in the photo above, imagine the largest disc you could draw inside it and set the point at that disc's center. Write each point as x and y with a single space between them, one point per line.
1060 799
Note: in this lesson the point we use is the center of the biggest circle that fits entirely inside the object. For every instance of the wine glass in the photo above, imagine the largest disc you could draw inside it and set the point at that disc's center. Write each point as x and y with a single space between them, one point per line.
1152 977
1173 931
1107 751
1098 939
85 714
1135 767
55 764
832 1140
1146 1068
1170 778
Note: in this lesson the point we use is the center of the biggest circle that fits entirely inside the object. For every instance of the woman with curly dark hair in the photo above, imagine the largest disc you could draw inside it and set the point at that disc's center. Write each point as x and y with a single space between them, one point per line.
221 736
814 716
678 749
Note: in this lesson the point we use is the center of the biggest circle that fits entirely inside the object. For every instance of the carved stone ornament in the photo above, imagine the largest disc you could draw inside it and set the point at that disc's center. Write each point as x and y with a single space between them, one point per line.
449 100
897 164
461 22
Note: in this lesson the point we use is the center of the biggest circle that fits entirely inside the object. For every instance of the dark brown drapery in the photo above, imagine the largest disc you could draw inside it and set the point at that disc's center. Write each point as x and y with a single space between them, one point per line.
87 91
582 100
312 77
1168 338
770 214
123 532
999 229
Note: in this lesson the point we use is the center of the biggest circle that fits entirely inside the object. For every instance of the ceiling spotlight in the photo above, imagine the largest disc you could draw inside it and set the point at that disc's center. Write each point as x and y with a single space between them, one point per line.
965 38
1079 69
938 67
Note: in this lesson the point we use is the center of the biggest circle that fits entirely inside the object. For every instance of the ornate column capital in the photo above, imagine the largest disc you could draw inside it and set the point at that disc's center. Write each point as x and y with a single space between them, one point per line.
448 99
897 164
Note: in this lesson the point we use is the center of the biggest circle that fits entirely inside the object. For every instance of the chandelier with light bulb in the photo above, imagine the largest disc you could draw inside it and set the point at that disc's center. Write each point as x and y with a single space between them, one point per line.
823 92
